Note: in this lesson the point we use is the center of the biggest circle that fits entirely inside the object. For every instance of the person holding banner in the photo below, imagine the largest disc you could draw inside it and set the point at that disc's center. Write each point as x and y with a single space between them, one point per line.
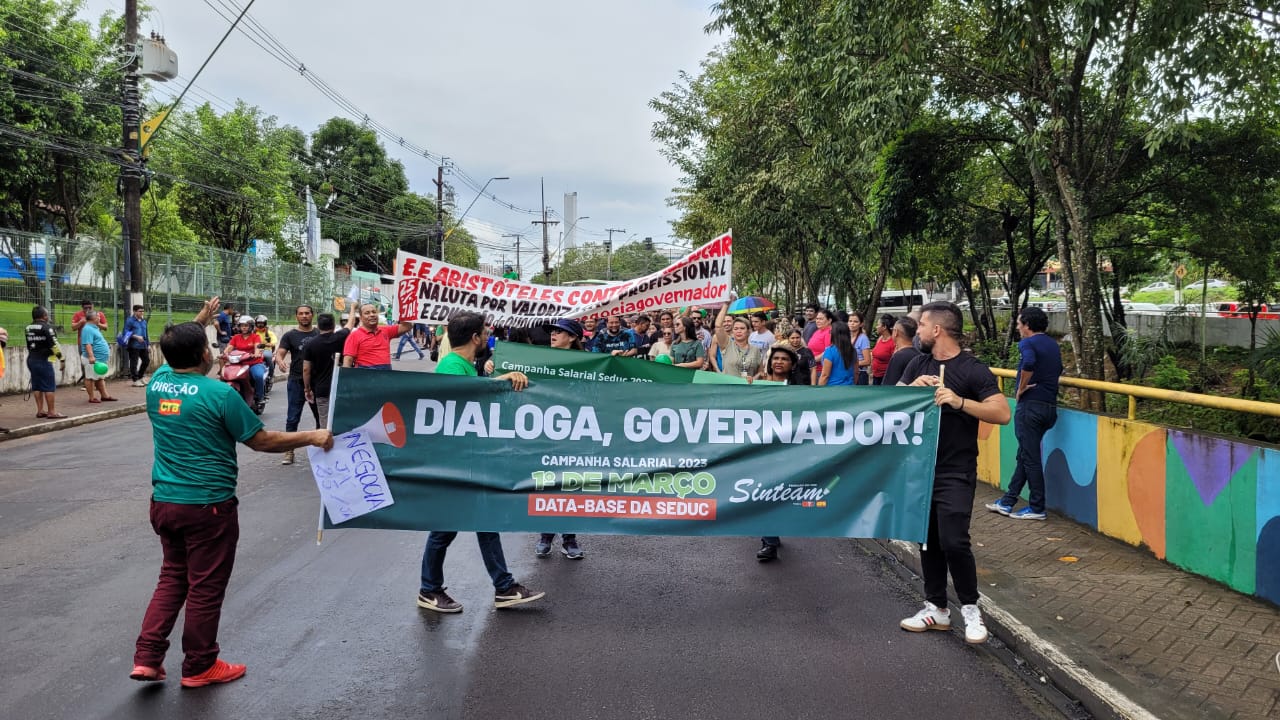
615 339
196 422
369 346
783 366
467 334
565 335
967 393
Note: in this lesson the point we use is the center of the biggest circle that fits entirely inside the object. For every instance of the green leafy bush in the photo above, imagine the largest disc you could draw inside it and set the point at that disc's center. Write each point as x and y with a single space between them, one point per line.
1169 376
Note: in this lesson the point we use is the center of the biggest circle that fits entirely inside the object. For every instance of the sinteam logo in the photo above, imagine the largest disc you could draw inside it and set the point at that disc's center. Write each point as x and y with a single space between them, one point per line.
806 495
170 407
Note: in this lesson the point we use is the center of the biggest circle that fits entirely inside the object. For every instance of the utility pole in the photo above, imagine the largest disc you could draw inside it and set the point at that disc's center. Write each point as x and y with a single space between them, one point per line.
608 252
518 238
131 169
544 222
439 232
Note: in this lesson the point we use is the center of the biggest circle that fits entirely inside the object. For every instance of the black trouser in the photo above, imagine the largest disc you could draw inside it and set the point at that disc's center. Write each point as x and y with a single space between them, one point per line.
948 544
139 361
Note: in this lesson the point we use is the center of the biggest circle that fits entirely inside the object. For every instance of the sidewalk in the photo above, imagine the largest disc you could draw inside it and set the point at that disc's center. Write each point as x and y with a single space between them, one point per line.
18 412
1126 634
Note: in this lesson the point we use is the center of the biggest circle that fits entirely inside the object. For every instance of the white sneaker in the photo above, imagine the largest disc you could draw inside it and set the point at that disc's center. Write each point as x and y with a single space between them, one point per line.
930 618
975 631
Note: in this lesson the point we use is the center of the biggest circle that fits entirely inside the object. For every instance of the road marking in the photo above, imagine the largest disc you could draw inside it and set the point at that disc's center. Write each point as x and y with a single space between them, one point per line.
1104 691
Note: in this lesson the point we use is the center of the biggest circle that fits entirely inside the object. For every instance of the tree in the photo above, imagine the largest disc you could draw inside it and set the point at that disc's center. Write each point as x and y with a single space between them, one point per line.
364 190
235 170
1071 76
58 119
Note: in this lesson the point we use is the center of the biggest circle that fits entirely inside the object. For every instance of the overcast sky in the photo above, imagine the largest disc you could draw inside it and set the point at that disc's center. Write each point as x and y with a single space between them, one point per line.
555 89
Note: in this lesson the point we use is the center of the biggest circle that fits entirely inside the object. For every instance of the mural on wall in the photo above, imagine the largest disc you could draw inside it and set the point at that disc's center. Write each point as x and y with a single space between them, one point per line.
1205 504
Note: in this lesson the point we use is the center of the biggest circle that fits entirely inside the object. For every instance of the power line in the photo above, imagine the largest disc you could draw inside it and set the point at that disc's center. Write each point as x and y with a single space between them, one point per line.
260 36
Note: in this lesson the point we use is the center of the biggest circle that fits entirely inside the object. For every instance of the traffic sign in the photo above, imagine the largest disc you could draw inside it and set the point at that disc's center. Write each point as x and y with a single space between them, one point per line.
1181 272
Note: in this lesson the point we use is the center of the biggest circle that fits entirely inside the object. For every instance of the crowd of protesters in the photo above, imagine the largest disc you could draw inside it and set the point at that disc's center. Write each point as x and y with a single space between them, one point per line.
820 347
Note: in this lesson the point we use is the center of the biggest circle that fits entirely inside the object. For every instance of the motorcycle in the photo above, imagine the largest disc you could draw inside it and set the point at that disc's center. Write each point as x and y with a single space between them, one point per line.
236 373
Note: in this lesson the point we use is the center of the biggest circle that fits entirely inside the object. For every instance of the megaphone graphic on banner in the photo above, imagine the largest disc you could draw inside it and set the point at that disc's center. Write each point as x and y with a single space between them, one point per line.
386 427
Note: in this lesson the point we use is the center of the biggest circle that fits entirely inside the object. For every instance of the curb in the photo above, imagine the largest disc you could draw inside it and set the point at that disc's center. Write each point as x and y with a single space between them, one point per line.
1099 698
48 427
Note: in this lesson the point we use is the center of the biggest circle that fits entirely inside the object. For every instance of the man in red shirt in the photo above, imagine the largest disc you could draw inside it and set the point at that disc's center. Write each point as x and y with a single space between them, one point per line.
77 320
369 346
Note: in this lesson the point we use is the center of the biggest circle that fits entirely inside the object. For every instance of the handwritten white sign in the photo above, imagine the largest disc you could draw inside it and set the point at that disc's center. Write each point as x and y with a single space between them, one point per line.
350 477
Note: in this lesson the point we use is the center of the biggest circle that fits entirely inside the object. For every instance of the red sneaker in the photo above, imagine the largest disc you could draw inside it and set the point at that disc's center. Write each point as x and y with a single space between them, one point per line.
147 674
221 672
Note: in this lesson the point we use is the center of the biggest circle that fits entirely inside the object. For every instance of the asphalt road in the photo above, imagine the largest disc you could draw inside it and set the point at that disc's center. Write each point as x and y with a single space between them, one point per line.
644 627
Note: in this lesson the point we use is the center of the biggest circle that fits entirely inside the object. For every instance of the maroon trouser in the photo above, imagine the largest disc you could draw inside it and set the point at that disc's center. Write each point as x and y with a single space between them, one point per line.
199 543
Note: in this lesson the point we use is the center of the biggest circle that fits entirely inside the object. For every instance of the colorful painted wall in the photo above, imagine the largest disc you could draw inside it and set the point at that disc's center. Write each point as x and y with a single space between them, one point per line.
1207 505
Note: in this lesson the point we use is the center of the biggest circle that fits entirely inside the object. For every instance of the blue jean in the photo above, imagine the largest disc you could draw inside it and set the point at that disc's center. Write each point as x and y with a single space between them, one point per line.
297 401
771 541
407 338
258 372
490 550
1031 420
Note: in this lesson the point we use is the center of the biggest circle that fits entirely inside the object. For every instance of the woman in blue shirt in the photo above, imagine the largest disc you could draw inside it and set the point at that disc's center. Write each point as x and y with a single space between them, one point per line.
839 361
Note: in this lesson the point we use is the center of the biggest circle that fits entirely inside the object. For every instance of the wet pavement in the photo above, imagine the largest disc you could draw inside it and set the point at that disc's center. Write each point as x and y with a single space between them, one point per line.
644 627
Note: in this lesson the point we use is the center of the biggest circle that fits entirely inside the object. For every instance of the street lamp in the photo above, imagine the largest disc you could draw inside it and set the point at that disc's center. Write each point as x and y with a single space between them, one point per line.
464 212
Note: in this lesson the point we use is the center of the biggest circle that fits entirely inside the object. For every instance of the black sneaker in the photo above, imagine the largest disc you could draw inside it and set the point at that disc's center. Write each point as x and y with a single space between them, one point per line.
517 594
438 601
543 548
767 553
571 550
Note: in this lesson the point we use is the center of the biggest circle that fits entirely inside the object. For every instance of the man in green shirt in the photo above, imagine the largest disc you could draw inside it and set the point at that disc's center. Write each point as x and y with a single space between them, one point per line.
467 334
196 422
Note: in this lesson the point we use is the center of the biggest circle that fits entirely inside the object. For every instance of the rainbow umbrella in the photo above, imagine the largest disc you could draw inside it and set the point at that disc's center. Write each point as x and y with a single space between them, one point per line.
751 304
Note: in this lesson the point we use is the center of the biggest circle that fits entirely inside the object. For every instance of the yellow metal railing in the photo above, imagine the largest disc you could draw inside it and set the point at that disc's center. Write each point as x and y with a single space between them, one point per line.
1134 392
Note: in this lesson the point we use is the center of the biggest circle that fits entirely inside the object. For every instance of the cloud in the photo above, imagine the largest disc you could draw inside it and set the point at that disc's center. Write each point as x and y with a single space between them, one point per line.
554 90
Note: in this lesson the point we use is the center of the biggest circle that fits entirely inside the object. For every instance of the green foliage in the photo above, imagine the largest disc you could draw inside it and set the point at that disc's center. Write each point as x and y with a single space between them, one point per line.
1138 354
1168 375
365 193
231 205
591 262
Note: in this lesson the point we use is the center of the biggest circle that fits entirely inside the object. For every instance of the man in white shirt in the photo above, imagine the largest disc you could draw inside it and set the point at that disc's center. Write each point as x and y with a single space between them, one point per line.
761 337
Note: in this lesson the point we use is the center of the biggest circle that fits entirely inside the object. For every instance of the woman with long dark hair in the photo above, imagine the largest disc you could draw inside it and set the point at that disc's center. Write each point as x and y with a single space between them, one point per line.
821 338
688 351
861 346
839 361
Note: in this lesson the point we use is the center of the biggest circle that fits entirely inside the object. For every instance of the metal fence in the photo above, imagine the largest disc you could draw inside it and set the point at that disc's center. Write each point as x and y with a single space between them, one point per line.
60 273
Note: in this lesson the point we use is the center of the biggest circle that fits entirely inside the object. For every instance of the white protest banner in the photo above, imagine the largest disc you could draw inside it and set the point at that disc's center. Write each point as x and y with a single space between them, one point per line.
433 291
350 476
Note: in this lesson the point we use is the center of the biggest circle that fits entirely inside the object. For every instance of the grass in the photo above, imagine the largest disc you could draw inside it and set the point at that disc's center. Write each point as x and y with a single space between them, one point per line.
14 316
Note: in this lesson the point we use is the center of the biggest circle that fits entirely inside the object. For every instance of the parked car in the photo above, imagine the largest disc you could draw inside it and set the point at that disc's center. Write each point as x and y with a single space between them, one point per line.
1157 286
1235 309
1141 308
1216 283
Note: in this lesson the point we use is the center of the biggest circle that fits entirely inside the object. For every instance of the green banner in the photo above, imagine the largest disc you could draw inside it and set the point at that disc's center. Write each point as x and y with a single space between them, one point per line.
540 362
579 455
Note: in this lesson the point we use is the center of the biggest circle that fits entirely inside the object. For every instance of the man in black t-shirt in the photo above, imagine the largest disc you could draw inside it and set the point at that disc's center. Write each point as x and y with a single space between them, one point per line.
904 350
292 343
967 393
317 363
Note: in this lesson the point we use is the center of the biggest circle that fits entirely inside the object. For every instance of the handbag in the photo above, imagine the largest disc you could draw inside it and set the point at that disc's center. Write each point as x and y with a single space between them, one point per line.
122 339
